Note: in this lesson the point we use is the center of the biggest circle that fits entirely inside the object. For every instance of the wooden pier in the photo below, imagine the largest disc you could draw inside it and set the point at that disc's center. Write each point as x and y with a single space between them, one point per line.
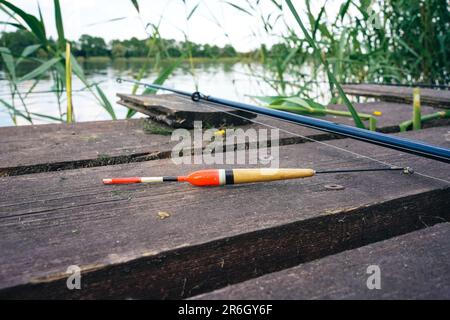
415 266
219 242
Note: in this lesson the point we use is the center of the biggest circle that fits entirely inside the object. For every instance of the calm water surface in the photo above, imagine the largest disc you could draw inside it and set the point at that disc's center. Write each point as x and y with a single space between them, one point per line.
223 79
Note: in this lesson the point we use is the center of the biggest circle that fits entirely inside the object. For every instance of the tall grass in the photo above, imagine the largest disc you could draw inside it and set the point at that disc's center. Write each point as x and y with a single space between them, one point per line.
390 41
410 44
55 64
332 79
60 65
156 45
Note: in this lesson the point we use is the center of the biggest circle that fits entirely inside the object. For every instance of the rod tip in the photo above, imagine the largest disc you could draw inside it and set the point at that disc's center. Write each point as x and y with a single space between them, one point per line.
107 181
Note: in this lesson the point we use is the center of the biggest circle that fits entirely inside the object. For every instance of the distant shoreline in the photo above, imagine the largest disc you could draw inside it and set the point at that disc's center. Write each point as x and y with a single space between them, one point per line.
139 60
106 59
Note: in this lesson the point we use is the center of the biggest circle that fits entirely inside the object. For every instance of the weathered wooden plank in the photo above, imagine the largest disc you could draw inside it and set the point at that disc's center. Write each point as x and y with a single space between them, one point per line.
38 148
214 236
412 266
180 112
392 114
432 97
41 148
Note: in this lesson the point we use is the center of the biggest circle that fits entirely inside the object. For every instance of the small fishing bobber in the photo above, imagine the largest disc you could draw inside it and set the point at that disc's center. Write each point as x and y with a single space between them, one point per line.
220 177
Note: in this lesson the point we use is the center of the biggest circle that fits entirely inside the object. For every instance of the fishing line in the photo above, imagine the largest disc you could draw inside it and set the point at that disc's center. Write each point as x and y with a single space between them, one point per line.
303 76
4 94
357 155
420 148
197 96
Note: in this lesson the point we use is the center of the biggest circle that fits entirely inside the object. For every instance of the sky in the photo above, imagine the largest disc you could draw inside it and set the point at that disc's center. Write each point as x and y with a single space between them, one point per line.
214 21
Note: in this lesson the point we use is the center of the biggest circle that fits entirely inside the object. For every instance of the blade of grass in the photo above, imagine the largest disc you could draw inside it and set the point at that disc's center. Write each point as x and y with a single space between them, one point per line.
152 43
13 17
162 77
343 9
27 51
15 111
404 126
278 5
238 7
59 25
322 112
15 25
45 116
106 21
36 26
8 60
135 4
43 68
267 99
41 18
98 94
105 103
192 11
78 70
317 23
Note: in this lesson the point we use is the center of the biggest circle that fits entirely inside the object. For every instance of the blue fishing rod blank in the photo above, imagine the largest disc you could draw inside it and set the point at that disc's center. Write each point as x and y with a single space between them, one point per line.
394 142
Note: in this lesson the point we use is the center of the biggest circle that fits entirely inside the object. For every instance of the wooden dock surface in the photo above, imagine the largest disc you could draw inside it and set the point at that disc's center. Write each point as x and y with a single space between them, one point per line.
213 237
432 97
411 266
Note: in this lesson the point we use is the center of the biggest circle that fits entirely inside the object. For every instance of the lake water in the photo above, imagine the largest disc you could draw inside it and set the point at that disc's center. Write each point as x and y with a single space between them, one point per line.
222 79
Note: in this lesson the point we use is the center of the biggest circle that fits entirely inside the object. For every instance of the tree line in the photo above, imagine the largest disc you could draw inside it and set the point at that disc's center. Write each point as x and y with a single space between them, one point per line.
91 46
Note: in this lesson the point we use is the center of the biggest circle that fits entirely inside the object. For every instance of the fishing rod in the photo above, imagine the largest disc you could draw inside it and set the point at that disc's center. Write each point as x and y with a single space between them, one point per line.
220 177
398 143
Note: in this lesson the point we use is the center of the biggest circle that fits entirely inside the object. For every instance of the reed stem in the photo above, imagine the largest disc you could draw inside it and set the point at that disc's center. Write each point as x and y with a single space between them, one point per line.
417 122
69 84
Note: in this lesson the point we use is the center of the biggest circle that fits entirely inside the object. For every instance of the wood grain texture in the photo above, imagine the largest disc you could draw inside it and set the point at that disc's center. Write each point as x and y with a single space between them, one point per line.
259 175
432 97
214 236
42 148
412 266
